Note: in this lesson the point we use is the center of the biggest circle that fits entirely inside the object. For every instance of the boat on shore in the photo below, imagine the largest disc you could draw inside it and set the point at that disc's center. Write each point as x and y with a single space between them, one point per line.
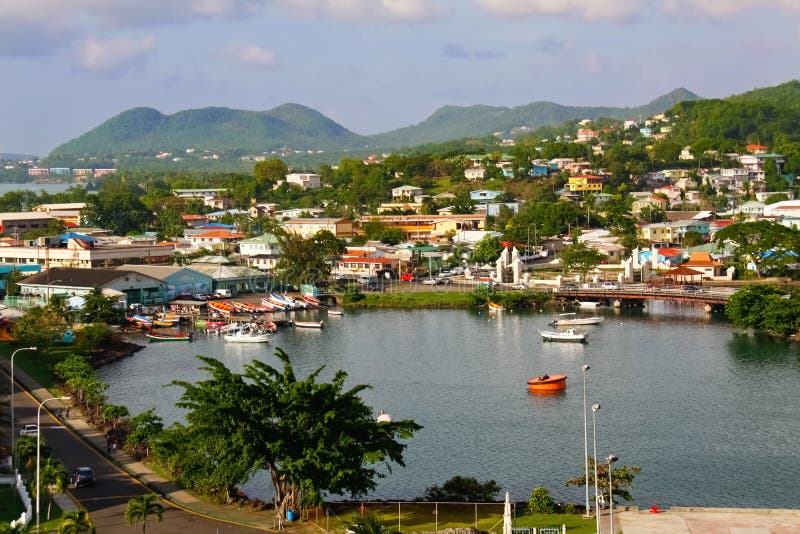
571 319
495 307
548 383
308 324
568 335
155 336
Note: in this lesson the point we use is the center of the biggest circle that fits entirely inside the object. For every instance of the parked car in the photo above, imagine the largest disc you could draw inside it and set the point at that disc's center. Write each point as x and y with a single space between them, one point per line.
692 289
519 286
82 476
29 430
609 286
429 281
407 277
202 296
222 293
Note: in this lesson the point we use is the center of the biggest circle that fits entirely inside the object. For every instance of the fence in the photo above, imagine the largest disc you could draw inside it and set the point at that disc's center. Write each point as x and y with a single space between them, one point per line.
420 517
26 516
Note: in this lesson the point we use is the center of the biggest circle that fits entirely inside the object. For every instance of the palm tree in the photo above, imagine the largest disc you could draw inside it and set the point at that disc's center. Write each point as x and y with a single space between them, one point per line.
26 450
368 523
141 507
14 527
54 479
76 522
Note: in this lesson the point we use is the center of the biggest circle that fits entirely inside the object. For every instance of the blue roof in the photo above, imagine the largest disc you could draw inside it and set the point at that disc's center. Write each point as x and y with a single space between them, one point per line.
220 225
72 235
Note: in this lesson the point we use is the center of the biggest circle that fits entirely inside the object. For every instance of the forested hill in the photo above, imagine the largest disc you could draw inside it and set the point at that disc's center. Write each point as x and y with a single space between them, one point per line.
148 131
455 122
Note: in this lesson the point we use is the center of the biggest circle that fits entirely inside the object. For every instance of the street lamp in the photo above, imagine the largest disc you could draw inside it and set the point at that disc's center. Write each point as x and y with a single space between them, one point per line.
38 453
586 442
610 459
13 450
595 407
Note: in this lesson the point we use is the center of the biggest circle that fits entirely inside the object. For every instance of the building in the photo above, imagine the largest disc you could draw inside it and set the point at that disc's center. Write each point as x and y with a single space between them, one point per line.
15 224
261 252
70 282
304 180
309 227
197 193
69 212
213 237
427 227
179 282
703 262
406 192
584 184
473 174
236 278
484 195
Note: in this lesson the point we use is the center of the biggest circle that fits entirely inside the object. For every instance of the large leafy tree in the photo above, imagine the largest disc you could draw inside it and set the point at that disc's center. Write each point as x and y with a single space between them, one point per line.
98 308
307 261
765 308
314 437
765 244
463 489
140 508
117 207
580 257
76 522
40 327
487 249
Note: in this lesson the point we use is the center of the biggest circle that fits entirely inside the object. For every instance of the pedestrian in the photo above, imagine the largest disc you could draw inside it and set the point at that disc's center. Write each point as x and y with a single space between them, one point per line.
108 444
67 412
114 446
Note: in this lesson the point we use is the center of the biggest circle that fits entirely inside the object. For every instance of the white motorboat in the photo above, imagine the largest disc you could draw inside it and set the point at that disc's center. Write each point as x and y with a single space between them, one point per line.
247 336
568 335
588 304
571 319
308 324
335 312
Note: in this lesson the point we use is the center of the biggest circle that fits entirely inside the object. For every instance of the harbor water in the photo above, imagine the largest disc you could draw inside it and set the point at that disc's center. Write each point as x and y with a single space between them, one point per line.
710 415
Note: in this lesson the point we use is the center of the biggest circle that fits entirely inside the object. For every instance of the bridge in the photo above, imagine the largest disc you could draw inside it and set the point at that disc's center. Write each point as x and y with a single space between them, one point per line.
714 297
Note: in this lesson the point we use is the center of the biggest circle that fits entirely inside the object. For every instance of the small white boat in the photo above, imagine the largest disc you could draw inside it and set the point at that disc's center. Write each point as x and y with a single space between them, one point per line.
588 304
335 312
308 324
243 336
568 334
570 319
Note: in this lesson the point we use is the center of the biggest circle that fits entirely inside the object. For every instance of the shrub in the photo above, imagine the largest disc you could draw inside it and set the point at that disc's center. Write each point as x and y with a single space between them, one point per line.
541 502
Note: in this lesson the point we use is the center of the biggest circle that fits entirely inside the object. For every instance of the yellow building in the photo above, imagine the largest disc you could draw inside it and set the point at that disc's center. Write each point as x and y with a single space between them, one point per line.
584 184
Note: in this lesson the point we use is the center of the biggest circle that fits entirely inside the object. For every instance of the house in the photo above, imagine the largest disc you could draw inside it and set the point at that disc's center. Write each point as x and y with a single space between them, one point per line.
360 265
649 201
754 164
15 224
585 135
70 282
702 261
784 208
68 212
261 252
473 174
194 221
406 192
299 213
753 209
426 227
211 238
394 207
309 227
262 210
198 193
613 251
584 184
235 278
304 180
179 282
560 163
756 149
484 195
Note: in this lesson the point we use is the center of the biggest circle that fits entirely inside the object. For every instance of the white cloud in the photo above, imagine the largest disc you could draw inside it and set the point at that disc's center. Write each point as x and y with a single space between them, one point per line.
114 56
32 27
628 10
250 56
367 10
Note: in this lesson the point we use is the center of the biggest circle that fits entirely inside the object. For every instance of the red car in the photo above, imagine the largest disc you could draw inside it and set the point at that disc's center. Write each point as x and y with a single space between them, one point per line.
407 277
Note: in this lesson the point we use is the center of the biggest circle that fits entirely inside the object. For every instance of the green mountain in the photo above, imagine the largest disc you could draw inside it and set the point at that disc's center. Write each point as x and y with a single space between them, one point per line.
148 131
455 122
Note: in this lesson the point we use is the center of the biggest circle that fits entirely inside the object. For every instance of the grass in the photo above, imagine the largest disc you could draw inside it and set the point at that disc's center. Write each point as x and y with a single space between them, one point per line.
416 299
39 365
422 517
10 503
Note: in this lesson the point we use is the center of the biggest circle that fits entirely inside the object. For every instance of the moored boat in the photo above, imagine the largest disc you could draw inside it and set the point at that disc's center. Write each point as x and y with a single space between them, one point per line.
247 336
495 307
311 301
335 312
568 335
588 304
154 336
548 383
308 324
570 319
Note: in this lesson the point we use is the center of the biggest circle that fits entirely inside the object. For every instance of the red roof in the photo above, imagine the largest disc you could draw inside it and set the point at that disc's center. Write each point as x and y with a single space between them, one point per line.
222 234
668 252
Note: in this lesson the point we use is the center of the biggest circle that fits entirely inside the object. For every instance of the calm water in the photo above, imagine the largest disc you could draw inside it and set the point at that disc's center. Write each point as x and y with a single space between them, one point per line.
711 416
36 188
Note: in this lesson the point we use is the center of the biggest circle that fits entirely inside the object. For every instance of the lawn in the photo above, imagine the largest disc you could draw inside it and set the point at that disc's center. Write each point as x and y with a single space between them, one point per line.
10 503
38 365
429 517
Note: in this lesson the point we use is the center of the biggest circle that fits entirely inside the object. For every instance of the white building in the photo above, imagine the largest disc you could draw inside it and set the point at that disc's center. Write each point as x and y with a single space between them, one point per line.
406 192
304 180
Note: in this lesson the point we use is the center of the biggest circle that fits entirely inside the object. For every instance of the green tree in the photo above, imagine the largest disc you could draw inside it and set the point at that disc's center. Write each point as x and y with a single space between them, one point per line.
144 430
307 261
315 438
487 249
26 450
269 172
580 257
541 502
115 412
463 489
53 478
140 508
98 308
621 479
463 204
692 238
76 522
117 207
12 280
170 223
40 327
765 244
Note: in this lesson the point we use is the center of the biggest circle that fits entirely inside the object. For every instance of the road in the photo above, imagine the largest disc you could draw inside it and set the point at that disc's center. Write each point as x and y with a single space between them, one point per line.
107 500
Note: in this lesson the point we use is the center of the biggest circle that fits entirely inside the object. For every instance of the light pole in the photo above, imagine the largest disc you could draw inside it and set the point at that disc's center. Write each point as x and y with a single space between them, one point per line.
38 452
586 442
610 459
595 407
13 450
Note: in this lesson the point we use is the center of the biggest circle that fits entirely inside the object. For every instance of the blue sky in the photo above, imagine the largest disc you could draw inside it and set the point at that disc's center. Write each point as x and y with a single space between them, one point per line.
372 65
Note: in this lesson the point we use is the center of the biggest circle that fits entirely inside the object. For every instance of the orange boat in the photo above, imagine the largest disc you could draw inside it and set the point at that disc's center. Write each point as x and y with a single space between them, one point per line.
548 383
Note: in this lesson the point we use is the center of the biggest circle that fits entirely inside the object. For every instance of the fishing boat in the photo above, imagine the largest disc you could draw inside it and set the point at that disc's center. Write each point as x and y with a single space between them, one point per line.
548 383
568 335
335 312
495 307
142 320
247 336
588 304
308 324
271 306
154 336
311 300
221 306
571 319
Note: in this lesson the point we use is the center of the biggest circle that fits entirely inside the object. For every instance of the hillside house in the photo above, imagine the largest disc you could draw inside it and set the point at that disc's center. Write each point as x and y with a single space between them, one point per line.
309 227
304 180
406 192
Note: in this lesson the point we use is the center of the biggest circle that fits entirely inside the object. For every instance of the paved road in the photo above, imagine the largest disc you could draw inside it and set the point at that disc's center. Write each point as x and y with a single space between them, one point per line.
107 500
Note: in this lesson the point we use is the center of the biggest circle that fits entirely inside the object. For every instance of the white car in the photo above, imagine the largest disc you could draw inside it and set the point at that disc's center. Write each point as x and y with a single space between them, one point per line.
610 285
429 281
29 430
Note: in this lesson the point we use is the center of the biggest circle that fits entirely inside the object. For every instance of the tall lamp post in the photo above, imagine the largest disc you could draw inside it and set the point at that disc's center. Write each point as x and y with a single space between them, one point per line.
586 442
49 286
595 407
38 449
610 459
13 450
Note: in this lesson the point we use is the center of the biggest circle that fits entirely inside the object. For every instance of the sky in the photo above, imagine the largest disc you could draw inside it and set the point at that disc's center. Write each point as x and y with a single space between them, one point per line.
372 65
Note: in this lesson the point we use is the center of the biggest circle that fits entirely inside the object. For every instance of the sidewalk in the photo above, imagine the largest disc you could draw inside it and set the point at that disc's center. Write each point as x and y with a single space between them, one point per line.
139 471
